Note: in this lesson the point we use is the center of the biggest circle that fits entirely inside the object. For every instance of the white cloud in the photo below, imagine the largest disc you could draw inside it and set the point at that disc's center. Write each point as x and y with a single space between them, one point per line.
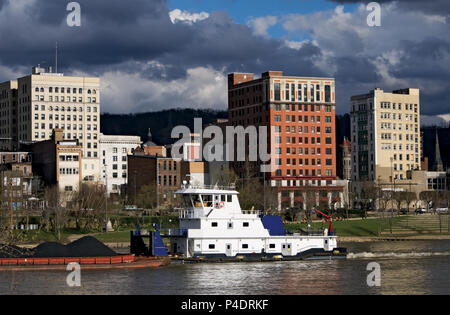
295 44
439 120
260 25
203 87
187 17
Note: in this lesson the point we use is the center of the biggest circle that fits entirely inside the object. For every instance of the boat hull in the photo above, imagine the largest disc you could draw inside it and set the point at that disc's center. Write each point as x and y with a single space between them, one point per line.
311 254
87 263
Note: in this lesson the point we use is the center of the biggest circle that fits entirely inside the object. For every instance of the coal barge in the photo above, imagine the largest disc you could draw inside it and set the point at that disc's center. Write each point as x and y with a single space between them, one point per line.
90 253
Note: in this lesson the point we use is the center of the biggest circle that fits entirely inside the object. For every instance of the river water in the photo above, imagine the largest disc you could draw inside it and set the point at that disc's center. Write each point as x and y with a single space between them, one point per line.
409 267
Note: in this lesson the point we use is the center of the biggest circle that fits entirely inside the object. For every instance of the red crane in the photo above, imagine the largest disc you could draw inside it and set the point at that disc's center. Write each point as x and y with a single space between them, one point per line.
326 218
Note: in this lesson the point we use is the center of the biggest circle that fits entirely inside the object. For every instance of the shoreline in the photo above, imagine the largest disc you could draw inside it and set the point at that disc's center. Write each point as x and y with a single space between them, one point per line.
362 239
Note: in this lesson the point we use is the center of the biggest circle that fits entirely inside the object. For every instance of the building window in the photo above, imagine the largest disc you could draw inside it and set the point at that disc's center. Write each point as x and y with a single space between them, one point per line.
327 93
277 88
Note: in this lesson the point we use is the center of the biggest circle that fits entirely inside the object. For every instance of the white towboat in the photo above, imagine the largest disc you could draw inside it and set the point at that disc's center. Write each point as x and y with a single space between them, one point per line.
213 225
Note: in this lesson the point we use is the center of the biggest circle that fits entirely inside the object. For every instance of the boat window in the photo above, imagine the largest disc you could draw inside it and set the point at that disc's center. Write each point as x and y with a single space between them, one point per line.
214 224
244 245
272 246
187 201
207 200
212 246
230 225
216 197
245 224
196 201
228 198
222 198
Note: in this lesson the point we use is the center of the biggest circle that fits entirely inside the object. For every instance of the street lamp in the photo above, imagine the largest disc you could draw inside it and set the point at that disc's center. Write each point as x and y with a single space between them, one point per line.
106 198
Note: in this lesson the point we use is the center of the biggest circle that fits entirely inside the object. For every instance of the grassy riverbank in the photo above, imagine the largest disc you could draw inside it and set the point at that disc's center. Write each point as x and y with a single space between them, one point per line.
411 226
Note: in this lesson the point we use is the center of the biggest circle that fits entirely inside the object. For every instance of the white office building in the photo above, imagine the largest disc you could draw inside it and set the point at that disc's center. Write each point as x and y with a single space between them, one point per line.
114 150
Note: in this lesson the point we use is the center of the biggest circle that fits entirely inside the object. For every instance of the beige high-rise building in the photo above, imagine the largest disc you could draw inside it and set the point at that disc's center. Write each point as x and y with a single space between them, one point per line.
385 131
32 106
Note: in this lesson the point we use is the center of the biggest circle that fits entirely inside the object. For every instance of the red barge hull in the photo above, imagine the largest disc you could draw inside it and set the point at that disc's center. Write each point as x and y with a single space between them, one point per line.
86 263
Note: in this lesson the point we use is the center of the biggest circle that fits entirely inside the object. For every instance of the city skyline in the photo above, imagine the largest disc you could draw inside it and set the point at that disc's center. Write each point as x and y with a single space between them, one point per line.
178 53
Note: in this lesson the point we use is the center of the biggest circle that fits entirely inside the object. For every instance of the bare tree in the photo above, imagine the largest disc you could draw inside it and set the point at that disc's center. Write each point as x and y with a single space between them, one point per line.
57 212
251 195
310 203
88 207
147 197
428 196
224 177
368 195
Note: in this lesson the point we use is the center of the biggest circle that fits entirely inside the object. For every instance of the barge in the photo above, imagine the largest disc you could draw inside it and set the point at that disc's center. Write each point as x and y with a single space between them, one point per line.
88 252
86 263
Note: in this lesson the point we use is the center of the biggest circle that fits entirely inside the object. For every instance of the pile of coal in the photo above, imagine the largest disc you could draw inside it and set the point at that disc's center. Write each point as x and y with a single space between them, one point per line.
11 251
51 249
87 246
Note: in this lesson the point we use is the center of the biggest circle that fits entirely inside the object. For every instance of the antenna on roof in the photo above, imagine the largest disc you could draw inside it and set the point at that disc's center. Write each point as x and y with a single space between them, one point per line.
56 58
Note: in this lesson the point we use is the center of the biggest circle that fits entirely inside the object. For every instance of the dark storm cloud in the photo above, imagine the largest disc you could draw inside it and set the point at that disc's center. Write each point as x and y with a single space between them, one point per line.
356 70
97 12
423 59
441 7
137 38
111 32
116 32
220 43
428 60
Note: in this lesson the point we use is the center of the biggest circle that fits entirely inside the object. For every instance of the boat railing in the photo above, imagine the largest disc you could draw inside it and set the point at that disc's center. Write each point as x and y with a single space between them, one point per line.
257 212
174 232
216 187
309 232
189 214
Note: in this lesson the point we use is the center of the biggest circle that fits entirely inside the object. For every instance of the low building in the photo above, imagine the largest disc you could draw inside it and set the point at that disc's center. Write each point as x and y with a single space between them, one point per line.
59 162
150 148
14 157
163 175
154 172
196 173
17 161
114 150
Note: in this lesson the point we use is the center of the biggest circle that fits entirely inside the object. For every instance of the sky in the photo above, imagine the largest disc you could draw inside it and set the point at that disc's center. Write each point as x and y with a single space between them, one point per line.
158 54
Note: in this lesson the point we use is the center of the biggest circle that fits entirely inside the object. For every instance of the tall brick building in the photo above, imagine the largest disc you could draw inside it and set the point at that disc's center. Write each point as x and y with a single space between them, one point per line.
301 111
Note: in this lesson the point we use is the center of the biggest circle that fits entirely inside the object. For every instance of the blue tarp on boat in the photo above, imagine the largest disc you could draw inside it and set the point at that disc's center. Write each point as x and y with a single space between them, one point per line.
274 224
